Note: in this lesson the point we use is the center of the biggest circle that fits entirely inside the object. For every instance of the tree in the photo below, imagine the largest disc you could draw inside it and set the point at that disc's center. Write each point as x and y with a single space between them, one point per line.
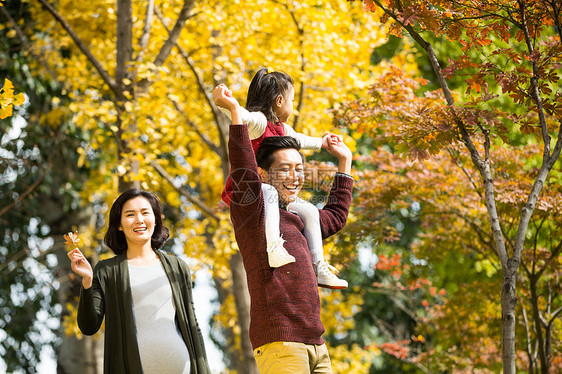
140 77
37 203
510 55
452 249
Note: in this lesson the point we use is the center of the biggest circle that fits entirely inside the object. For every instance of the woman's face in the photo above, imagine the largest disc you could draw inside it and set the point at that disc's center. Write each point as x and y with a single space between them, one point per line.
137 220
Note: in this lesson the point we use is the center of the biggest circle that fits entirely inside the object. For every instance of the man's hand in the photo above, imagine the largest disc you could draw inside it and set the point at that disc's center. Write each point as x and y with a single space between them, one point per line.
338 149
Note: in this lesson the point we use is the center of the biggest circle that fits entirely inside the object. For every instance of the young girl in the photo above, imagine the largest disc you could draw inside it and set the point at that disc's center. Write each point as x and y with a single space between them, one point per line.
268 107
143 293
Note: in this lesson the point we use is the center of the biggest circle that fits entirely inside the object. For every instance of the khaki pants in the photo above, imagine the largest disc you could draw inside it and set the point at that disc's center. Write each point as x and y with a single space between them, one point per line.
292 357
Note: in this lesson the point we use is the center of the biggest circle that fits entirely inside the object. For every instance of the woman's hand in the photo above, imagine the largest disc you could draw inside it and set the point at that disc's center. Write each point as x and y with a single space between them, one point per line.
81 266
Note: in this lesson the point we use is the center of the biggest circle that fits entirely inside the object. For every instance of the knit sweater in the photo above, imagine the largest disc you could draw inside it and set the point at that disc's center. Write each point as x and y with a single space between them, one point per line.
110 296
285 304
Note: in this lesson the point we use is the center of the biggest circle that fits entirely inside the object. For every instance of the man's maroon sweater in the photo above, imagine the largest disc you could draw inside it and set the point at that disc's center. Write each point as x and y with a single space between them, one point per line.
285 305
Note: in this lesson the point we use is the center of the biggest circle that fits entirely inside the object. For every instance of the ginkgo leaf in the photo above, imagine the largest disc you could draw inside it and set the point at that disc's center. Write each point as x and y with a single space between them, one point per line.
19 99
8 100
8 88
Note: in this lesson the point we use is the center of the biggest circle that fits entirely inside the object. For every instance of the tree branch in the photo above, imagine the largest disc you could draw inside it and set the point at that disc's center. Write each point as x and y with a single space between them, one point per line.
102 72
553 256
464 171
175 33
25 193
483 166
38 181
182 191
527 335
26 46
303 86
143 39
555 315
202 136
527 210
223 130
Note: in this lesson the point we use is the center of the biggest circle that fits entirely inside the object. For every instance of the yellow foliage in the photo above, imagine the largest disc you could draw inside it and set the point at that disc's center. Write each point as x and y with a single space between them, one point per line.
338 311
55 117
354 360
69 324
8 100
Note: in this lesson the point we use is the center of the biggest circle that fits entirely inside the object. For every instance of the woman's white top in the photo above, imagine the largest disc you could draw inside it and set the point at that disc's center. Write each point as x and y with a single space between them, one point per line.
162 349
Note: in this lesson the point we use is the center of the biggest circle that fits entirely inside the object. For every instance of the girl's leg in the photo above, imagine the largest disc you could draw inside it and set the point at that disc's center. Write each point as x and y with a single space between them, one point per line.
313 234
276 253
311 219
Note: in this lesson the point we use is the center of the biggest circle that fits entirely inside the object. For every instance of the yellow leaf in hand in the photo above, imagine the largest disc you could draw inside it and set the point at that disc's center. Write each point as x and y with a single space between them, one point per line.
71 240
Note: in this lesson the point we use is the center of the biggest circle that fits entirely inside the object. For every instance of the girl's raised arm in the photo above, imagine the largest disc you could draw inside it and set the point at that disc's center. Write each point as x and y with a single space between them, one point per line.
306 142
256 121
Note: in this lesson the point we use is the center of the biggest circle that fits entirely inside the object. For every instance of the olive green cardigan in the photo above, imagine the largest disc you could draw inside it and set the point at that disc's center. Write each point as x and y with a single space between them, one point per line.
110 295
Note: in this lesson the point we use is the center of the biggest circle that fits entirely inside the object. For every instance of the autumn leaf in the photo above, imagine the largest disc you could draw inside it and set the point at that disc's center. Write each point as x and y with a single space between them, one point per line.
8 100
71 240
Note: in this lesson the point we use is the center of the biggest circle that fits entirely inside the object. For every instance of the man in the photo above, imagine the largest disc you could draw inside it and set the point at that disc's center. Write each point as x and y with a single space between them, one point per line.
285 327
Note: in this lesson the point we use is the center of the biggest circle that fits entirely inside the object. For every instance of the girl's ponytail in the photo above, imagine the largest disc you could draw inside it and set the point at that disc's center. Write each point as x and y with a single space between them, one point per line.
264 89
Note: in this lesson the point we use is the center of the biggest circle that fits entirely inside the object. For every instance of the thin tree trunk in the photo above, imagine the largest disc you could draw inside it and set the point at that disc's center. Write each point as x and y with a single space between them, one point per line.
232 355
530 357
508 303
538 325
242 301
84 356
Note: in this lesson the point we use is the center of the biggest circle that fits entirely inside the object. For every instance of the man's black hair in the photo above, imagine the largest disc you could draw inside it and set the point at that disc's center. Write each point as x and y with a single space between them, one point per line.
264 154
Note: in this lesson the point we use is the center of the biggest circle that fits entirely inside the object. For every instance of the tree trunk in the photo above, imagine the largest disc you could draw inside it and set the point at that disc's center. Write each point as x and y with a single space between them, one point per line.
84 356
508 303
542 351
242 301
232 356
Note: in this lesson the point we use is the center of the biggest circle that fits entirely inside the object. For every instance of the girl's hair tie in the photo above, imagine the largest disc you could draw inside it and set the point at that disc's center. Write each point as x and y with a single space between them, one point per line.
269 70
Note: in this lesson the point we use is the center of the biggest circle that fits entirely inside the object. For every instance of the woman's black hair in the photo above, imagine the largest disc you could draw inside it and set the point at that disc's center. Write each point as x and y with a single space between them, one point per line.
264 90
264 154
115 238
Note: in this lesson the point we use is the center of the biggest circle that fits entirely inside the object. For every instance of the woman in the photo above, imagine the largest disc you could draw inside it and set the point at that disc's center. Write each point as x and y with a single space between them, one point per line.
144 294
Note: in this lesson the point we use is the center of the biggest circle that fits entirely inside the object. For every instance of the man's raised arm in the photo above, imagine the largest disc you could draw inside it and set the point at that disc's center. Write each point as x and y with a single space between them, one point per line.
333 216
343 154
246 201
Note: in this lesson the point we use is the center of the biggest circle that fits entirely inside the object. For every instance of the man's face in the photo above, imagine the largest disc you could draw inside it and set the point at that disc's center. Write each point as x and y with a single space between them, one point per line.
286 174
